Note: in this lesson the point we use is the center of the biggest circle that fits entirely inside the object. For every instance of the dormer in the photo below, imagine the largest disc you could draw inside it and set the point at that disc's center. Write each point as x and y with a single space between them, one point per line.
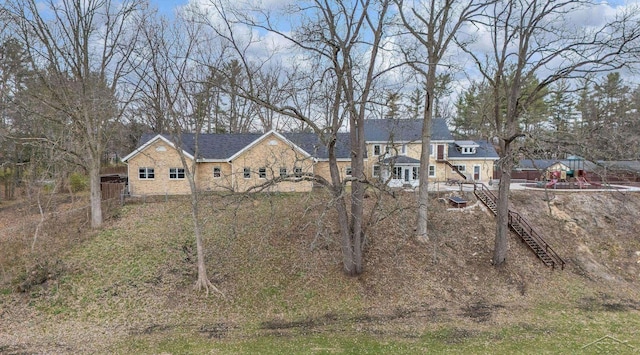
466 147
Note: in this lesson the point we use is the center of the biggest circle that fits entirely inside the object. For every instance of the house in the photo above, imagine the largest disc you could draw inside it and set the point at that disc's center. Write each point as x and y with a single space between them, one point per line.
231 162
247 161
394 148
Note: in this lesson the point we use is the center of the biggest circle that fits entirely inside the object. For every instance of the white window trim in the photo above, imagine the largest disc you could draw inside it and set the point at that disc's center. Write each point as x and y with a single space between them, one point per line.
458 166
396 173
177 174
432 150
432 169
373 171
262 171
146 173
379 149
283 172
246 173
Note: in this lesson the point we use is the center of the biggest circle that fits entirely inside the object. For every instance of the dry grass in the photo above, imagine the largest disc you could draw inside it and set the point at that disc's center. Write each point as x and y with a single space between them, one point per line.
277 259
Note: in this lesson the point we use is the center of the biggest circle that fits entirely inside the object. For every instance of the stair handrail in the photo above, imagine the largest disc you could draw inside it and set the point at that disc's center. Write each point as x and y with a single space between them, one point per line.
539 239
453 167
556 259
486 191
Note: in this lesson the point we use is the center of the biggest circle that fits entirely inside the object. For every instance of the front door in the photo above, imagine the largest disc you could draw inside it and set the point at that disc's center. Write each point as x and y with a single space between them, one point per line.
406 174
440 155
476 172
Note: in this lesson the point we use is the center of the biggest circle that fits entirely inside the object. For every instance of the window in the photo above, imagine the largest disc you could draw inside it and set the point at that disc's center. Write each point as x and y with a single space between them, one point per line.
262 173
146 173
403 149
376 171
416 176
297 172
468 150
283 172
176 173
396 172
432 149
387 149
376 149
347 171
432 170
246 173
216 172
460 168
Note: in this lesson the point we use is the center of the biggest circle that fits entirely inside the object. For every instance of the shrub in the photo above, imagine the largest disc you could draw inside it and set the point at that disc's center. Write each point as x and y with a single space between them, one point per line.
78 182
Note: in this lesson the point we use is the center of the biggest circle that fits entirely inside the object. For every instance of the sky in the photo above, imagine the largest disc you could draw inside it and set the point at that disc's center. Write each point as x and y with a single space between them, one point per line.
593 17
166 7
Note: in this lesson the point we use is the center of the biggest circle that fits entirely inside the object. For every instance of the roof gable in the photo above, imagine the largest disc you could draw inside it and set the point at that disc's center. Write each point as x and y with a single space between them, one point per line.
148 141
264 137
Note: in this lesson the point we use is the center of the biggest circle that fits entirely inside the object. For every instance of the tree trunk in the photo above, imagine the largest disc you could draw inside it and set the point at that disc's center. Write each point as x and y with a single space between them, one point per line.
95 195
202 282
423 188
348 257
357 193
357 229
502 222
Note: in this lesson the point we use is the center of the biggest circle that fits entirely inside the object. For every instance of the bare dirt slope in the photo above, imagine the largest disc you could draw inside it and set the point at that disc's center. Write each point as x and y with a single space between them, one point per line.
277 260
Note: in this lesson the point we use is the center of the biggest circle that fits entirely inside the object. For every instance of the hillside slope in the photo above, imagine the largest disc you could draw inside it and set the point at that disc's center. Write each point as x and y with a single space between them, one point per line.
276 258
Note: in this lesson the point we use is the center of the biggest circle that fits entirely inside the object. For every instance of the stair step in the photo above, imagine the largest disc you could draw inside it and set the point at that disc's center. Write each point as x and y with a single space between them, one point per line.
525 234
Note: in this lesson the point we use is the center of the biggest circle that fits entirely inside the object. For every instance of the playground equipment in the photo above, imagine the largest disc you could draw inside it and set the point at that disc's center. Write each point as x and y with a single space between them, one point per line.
551 183
583 181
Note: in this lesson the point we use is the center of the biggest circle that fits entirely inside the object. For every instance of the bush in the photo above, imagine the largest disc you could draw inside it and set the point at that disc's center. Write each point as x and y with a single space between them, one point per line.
78 182
40 274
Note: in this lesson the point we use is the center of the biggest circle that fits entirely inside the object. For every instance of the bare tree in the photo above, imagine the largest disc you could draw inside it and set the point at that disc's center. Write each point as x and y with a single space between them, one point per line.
434 25
339 44
534 39
176 83
82 50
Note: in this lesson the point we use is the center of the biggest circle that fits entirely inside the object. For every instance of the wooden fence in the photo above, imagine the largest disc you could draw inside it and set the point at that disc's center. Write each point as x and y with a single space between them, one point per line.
112 190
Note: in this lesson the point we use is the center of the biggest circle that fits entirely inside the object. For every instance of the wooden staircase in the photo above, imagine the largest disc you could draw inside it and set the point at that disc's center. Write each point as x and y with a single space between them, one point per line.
522 228
444 161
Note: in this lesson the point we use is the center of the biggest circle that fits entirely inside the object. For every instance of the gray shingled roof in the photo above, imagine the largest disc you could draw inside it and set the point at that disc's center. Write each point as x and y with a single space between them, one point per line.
221 146
484 150
393 130
542 164
310 143
536 164
622 165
